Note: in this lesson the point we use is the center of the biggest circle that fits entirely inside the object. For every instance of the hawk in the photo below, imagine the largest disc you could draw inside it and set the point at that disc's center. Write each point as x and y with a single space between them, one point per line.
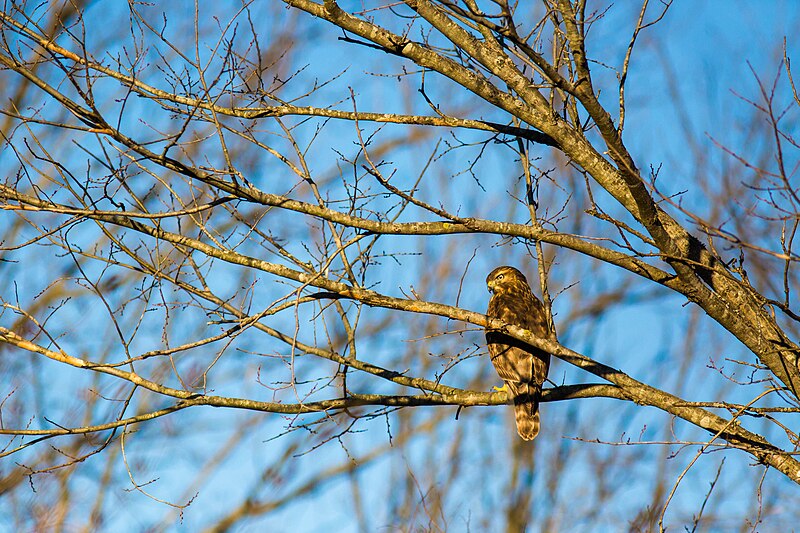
521 367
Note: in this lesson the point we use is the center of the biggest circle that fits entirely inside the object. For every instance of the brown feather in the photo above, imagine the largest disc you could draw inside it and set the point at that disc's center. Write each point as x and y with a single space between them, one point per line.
521 367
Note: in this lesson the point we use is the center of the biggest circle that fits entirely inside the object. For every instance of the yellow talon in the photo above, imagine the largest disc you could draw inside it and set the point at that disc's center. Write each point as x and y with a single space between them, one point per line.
504 388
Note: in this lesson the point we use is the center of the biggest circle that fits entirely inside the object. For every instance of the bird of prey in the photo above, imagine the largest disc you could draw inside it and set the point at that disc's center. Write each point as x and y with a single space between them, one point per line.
522 367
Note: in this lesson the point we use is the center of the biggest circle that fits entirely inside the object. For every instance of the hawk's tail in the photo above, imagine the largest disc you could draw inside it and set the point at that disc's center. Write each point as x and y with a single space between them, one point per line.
526 411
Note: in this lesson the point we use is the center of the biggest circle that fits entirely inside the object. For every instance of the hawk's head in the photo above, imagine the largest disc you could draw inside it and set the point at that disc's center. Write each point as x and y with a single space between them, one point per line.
505 279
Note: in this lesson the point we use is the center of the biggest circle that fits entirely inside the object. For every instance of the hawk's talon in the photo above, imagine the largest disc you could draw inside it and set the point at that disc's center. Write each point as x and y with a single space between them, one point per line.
504 388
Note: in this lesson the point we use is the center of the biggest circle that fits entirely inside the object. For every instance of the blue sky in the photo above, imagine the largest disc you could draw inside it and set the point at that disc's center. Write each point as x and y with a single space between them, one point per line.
709 48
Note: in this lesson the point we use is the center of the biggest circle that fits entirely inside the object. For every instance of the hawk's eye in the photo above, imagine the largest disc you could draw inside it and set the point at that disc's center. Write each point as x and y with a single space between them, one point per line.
499 277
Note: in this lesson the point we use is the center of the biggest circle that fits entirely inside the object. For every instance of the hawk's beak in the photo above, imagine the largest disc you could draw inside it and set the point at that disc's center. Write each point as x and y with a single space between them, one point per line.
490 286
